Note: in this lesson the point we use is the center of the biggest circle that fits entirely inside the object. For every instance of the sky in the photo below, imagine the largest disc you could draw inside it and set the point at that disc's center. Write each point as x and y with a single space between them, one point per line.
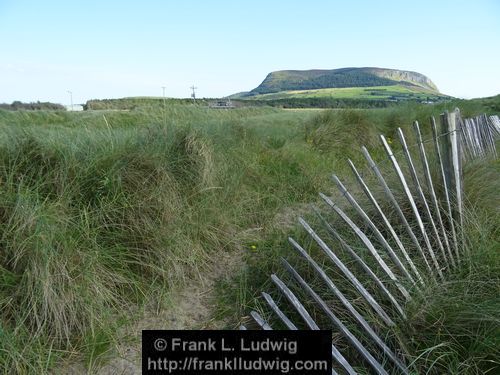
119 48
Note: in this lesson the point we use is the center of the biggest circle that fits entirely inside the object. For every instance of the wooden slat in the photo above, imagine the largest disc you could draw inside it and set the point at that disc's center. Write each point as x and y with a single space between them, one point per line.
345 302
430 187
336 321
421 195
386 222
337 356
396 206
444 180
453 164
414 208
360 261
466 141
288 323
489 129
495 122
374 229
350 276
295 302
368 244
260 321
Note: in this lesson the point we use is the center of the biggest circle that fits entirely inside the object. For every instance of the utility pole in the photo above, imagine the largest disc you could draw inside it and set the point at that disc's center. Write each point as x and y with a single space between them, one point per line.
71 98
193 95
164 106
164 99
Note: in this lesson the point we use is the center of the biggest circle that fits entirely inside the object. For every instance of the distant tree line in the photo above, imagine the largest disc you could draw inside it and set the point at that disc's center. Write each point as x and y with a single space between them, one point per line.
38 106
132 103
313 102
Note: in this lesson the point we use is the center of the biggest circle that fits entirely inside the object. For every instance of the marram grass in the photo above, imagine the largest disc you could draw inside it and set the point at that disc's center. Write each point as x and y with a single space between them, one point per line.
102 211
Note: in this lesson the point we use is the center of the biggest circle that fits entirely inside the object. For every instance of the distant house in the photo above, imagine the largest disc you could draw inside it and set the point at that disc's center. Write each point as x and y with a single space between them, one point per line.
74 107
223 104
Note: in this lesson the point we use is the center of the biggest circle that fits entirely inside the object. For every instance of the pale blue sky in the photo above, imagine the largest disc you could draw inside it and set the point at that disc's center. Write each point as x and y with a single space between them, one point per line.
117 48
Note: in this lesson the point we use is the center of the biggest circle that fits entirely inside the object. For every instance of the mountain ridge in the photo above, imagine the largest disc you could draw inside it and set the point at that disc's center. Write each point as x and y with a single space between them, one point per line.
288 80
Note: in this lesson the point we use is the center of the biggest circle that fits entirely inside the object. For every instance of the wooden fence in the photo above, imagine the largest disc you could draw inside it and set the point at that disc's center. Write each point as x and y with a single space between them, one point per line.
394 241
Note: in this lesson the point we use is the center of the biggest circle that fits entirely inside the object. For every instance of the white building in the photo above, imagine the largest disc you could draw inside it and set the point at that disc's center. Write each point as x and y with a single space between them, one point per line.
76 107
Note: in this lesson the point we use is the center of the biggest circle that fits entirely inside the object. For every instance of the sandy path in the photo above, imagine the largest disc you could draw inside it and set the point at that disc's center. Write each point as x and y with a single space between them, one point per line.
193 307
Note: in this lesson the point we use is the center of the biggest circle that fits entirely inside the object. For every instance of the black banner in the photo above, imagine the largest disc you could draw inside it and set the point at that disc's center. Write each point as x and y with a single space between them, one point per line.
237 352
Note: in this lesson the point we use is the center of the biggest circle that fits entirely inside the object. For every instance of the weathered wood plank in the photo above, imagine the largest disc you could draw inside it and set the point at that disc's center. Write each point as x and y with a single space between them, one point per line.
360 261
495 122
421 195
345 302
368 244
449 125
337 356
489 130
288 323
396 206
260 321
336 321
386 222
444 180
350 276
414 208
295 302
374 228
430 187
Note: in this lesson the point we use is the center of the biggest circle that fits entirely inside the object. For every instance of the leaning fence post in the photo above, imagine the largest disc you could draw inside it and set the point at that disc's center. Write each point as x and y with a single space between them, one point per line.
445 147
450 123
446 188
430 187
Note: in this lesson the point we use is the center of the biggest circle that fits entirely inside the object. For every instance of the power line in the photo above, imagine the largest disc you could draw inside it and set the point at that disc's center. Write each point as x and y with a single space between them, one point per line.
193 94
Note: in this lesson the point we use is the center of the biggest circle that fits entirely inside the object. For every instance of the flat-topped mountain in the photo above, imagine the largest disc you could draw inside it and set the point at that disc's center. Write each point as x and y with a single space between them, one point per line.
345 87
296 80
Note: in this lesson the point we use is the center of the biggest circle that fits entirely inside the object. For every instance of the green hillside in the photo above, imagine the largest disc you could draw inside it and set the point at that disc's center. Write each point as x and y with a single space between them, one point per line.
342 88
391 92
286 80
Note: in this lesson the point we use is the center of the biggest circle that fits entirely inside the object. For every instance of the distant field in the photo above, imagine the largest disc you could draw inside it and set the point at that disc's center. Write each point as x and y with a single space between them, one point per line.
394 92
346 97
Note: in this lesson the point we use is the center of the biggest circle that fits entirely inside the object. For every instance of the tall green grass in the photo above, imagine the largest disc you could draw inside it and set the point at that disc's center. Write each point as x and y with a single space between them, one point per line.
454 326
103 211
99 214
90 224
